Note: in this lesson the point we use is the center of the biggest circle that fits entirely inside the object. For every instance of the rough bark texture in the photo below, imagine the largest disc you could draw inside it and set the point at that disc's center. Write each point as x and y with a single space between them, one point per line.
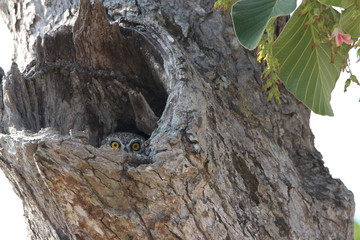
222 162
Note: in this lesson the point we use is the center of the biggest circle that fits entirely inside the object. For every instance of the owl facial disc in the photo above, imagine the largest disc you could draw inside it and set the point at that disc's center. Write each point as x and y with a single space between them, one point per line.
125 141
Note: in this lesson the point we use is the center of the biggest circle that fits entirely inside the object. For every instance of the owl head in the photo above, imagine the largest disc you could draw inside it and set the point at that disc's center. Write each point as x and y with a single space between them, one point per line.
125 141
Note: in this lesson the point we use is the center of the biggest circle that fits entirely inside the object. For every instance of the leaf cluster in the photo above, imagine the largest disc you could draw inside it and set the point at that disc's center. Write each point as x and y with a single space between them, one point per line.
305 57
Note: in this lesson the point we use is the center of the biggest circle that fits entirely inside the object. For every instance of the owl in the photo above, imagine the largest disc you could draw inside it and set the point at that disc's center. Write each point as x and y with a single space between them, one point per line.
125 141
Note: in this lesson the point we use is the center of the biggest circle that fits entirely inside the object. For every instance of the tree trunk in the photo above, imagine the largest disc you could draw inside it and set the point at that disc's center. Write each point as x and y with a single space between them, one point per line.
221 162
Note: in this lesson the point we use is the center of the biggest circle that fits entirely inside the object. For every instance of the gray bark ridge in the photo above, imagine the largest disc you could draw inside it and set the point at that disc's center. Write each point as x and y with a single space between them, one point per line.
221 163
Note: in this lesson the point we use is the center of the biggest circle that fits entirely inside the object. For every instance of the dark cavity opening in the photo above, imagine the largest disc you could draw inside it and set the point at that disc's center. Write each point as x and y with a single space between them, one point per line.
66 87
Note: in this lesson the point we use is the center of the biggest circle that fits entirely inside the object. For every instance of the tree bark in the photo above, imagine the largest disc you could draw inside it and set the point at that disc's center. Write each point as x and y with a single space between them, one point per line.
221 161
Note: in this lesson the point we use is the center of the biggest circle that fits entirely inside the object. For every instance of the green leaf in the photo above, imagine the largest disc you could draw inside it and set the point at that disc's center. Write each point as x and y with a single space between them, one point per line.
338 3
356 231
347 84
250 18
305 65
350 21
354 79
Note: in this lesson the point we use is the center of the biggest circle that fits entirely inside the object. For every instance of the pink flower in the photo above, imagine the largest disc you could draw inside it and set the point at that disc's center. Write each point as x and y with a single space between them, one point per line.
340 37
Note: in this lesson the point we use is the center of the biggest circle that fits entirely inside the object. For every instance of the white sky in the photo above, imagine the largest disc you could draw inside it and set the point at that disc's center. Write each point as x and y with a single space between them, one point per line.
12 222
336 138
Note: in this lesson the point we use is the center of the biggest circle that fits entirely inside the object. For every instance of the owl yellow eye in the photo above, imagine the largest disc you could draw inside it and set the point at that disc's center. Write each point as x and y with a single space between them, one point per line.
135 146
115 145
